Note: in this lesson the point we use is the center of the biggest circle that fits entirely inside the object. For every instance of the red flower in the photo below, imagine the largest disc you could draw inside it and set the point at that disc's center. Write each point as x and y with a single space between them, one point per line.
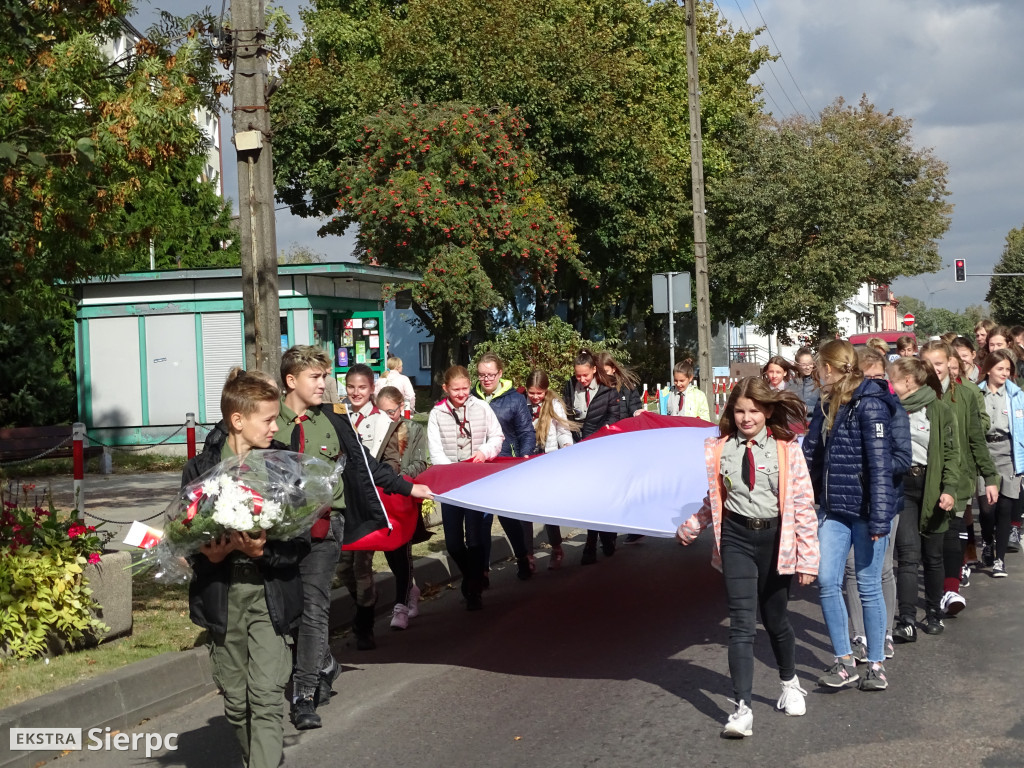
94 558
76 530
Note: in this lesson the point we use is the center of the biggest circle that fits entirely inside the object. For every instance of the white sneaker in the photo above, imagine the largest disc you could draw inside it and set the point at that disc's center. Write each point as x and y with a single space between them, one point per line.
792 699
740 723
414 602
400 617
952 603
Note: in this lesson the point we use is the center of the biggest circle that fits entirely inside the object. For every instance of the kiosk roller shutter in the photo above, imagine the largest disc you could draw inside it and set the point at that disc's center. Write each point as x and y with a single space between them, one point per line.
222 351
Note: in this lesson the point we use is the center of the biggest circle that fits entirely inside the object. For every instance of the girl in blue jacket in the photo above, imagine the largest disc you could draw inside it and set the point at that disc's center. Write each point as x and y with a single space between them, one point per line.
849 455
1004 403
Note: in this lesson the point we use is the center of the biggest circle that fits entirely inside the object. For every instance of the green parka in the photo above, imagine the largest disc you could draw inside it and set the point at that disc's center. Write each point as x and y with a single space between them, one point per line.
943 454
967 403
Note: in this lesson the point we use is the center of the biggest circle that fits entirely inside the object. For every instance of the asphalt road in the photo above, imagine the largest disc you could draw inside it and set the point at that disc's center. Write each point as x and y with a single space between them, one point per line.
624 664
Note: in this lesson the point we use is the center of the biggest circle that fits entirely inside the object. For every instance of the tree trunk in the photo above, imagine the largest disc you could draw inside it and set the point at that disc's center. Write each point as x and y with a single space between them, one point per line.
445 353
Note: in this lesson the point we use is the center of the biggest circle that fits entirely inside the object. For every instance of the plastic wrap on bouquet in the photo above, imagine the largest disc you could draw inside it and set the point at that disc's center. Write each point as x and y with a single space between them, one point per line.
279 492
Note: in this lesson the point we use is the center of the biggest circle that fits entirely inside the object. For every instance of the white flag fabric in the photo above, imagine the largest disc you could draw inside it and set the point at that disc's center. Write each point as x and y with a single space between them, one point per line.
647 481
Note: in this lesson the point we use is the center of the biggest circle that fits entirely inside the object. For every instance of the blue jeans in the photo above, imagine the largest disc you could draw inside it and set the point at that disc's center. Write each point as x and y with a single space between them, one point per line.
835 537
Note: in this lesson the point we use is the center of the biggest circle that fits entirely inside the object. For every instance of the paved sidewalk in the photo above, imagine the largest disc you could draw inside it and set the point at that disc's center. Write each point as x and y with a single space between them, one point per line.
117 498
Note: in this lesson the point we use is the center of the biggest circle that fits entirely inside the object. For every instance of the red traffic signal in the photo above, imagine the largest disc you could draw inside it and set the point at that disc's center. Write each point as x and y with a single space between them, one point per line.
960 270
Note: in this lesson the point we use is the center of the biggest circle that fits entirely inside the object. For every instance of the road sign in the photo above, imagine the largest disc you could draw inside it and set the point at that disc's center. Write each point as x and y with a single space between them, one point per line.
908 319
681 301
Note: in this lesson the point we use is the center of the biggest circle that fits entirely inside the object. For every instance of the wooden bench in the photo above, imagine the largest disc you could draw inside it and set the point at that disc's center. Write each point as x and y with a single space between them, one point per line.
19 443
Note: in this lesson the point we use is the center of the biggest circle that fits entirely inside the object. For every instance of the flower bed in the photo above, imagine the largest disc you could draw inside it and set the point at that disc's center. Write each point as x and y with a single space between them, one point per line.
46 605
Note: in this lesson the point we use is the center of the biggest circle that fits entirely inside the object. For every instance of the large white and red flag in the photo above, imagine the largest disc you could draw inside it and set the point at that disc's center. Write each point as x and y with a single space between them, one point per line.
642 475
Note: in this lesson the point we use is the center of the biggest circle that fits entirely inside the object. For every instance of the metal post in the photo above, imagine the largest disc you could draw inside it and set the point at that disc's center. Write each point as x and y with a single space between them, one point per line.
671 328
256 231
700 238
78 459
190 434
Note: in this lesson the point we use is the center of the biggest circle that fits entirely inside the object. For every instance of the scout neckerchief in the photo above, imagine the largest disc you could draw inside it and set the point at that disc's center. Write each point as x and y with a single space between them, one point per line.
463 423
302 432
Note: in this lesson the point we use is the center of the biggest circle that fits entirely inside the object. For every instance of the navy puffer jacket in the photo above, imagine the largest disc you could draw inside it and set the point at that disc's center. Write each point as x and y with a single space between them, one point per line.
514 416
852 467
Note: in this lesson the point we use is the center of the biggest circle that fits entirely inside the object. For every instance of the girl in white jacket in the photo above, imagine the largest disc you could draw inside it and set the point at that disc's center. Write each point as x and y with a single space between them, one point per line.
554 431
464 428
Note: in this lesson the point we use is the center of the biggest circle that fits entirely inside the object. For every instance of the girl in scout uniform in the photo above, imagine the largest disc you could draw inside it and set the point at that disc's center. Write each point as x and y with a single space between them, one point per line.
761 506
464 428
1004 404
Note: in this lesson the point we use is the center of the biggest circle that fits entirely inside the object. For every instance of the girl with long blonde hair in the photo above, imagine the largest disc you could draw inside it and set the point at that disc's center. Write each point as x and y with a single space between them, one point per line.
849 453
554 431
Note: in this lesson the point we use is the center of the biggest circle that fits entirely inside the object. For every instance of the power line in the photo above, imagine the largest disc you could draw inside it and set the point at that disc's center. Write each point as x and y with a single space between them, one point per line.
782 58
760 82
770 69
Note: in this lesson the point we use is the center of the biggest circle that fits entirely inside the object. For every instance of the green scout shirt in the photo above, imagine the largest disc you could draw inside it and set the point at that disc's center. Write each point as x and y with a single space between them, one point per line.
321 441
763 500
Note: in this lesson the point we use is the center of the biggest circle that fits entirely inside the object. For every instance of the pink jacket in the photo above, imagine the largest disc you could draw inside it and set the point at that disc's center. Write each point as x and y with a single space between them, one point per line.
798 545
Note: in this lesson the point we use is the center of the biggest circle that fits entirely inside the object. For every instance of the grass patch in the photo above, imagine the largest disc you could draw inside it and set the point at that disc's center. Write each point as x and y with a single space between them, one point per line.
432 546
161 624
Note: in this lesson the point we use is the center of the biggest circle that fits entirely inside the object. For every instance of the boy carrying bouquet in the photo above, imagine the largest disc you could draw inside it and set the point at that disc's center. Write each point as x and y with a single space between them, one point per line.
247 592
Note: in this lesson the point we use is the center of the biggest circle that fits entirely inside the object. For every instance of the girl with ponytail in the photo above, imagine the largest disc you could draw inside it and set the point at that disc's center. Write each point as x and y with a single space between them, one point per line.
849 454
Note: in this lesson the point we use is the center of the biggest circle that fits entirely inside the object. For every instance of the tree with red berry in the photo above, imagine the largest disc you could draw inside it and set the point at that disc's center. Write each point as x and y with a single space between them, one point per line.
449 191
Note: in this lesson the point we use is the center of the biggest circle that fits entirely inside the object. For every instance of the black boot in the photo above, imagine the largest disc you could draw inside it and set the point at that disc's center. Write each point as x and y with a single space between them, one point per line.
608 543
303 714
362 628
472 589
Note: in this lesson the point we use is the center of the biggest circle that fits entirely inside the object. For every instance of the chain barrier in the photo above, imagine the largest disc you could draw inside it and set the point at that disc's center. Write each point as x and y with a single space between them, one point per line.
47 452
122 522
136 448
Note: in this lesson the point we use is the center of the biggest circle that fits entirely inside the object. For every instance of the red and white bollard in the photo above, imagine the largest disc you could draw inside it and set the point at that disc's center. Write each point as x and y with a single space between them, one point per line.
407 414
78 457
190 434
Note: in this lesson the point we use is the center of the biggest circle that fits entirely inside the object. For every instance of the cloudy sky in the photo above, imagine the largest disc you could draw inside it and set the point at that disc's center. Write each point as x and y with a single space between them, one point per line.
955 68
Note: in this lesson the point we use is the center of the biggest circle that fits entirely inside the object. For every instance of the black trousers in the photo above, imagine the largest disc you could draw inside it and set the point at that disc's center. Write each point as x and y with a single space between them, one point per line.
953 544
995 522
913 549
752 581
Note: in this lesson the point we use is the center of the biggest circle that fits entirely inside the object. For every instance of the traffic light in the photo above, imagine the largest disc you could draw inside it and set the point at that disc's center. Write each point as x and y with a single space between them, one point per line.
960 268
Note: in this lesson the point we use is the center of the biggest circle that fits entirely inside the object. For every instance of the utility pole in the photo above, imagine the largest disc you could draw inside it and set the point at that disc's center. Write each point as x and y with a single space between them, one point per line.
700 236
257 235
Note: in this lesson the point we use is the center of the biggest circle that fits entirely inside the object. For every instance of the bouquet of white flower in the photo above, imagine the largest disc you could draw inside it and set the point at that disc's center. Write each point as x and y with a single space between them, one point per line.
280 492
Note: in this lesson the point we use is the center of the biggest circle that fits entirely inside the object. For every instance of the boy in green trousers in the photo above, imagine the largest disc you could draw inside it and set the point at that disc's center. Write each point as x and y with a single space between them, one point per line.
246 592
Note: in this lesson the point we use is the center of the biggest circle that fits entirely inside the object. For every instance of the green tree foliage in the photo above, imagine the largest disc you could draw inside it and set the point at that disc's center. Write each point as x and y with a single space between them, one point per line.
445 191
600 83
935 321
1006 294
97 157
37 376
550 345
815 208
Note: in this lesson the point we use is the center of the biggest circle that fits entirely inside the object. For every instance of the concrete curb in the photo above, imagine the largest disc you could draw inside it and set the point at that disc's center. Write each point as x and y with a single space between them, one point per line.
146 689
119 700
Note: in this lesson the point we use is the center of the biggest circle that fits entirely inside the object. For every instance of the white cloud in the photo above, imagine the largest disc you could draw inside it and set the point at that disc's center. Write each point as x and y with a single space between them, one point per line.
954 68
